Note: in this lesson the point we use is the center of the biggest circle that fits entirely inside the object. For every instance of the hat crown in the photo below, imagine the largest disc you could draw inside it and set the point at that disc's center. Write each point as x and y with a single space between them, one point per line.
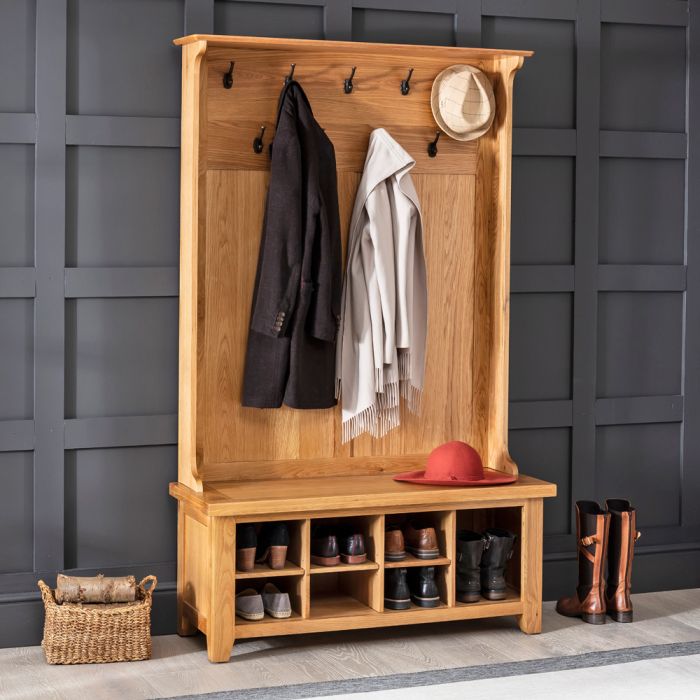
456 461
463 102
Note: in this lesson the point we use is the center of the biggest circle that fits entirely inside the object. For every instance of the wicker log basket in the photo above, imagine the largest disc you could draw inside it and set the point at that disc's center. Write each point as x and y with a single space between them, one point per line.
76 633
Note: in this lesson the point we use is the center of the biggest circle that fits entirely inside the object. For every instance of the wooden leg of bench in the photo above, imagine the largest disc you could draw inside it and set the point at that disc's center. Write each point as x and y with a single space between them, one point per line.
531 567
220 621
185 627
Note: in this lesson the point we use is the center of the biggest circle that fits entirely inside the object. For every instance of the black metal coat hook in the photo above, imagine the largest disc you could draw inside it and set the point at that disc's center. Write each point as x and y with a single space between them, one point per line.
406 83
290 77
258 140
432 146
347 85
228 76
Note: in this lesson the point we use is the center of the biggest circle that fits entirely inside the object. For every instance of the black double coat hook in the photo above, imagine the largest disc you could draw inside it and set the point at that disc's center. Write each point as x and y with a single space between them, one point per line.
228 76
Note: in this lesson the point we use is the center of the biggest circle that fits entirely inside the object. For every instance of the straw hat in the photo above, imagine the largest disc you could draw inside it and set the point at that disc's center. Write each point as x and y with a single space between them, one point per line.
462 102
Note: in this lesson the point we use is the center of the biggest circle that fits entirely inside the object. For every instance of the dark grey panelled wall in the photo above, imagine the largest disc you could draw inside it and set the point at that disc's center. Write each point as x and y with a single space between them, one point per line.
605 343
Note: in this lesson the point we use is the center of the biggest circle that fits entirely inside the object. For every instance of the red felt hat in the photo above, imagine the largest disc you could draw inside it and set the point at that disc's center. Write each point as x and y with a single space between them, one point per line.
455 464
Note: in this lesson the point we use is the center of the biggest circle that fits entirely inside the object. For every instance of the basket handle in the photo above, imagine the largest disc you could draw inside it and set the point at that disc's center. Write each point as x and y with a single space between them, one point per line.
148 579
46 593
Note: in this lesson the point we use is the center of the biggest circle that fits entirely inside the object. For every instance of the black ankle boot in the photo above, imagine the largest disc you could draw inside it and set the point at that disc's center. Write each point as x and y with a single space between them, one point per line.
424 590
396 593
498 549
470 547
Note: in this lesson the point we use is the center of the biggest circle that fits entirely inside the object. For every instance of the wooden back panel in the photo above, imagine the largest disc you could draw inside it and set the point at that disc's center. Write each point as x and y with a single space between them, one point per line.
464 194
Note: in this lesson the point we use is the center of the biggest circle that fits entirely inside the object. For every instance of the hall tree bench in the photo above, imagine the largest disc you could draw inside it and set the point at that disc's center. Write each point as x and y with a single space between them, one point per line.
238 464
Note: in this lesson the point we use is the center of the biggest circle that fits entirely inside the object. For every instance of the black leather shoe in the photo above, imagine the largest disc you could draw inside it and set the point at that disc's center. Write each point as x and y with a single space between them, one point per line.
498 549
273 541
324 547
396 593
352 547
470 547
424 590
246 543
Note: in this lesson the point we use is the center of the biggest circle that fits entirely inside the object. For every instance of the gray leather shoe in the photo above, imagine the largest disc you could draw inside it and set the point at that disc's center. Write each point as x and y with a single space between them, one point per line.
275 603
249 605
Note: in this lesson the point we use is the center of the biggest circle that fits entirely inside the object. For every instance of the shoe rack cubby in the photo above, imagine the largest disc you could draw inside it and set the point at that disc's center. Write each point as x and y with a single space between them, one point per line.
238 464
293 565
509 519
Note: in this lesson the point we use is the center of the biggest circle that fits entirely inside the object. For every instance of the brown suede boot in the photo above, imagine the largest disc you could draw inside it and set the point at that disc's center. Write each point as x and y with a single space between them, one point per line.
588 602
623 535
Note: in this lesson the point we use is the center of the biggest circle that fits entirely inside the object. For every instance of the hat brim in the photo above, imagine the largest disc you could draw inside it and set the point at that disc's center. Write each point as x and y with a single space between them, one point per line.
434 107
491 478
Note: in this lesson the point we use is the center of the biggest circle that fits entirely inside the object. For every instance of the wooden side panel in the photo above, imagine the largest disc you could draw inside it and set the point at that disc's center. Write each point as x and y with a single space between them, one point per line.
193 151
193 564
499 270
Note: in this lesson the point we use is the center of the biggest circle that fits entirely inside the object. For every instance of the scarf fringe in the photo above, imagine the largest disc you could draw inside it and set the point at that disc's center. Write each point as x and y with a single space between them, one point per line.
378 419
363 422
384 414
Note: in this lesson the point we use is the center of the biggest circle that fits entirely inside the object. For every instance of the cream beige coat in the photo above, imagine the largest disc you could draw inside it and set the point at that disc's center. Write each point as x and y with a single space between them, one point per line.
382 334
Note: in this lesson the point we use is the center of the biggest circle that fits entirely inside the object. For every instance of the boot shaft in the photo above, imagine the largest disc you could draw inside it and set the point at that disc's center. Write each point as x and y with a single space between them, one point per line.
592 527
498 549
622 537
470 548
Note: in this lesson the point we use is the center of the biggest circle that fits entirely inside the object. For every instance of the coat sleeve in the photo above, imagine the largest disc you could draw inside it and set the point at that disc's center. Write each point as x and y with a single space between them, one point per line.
279 260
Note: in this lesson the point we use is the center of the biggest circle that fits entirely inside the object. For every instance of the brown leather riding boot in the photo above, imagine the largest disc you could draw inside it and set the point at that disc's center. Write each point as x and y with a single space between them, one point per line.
623 535
588 602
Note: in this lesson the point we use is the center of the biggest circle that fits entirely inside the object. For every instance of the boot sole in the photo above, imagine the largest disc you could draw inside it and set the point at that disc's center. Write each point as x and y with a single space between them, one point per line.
594 618
494 595
426 602
393 604
468 597
590 618
621 616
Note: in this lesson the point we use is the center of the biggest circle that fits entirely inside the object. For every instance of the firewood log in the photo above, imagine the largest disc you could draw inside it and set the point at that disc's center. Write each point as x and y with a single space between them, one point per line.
95 589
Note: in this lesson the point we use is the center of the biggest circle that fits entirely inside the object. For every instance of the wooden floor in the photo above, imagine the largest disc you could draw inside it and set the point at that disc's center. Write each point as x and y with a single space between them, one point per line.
180 666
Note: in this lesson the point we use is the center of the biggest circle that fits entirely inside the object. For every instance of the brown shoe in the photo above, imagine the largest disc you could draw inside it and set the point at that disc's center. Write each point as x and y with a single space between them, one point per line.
623 535
324 547
421 541
588 602
394 547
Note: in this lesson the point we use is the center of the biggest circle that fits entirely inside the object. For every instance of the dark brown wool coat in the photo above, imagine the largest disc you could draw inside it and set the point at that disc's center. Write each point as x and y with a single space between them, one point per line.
290 356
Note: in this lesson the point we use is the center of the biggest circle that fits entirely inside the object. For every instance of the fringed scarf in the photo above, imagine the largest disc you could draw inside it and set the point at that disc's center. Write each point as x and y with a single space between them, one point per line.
380 353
